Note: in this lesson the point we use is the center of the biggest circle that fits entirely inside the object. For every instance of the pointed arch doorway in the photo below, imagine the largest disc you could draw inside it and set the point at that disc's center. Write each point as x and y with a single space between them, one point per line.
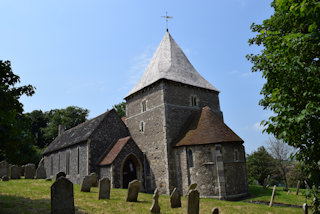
131 168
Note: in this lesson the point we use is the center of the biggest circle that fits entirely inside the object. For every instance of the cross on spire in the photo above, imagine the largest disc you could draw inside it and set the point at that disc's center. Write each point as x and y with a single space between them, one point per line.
167 18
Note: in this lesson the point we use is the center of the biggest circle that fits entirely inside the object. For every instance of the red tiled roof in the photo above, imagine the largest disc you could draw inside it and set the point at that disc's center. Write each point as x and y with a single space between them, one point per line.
111 156
206 128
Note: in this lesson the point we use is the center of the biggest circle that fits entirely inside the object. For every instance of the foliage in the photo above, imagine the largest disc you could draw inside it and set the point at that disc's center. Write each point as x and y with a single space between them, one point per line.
294 175
290 63
69 117
281 153
120 109
260 164
33 196
16 141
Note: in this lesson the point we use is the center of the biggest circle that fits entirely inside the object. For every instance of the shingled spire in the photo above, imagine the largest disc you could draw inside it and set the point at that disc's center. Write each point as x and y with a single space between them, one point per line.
169 62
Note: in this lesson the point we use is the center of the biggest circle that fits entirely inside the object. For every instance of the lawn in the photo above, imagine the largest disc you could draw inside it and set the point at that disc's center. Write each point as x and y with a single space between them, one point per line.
33 196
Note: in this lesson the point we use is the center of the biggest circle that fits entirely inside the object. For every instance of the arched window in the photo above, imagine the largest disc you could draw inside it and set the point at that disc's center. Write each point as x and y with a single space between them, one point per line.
190 158
236 155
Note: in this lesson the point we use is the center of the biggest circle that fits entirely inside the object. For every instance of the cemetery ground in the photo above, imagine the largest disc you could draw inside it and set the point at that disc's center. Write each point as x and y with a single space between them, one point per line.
33 196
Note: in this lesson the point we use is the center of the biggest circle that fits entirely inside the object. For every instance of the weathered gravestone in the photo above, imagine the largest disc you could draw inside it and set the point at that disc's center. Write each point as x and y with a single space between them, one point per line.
4 168
192 187
41 172
288 193
104 188
175 198
86 184
62 201
29 171
272 196
60 174
193 202
305 208
133 191
298 187
215 211
155 208
5 178
94 179
15 172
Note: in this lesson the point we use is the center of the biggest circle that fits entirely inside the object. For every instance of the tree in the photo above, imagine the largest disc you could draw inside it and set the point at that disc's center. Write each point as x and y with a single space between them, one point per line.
16 141
69 117
260 164
281 153
120 109
290 63
38 120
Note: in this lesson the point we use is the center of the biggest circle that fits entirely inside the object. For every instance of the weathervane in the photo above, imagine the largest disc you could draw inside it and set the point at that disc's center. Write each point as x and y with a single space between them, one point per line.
167 18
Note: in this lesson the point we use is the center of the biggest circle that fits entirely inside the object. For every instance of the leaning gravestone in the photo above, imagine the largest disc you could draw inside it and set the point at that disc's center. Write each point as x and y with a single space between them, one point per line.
60 174
155 208
104 188
86 184
215 211
272 196
298 187
175 198
94 179
193 202
15 172
41 172
29 171
133 191
62 201
4 168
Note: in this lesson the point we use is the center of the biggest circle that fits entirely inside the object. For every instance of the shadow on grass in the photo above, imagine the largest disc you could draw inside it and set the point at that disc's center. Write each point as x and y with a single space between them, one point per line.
10 204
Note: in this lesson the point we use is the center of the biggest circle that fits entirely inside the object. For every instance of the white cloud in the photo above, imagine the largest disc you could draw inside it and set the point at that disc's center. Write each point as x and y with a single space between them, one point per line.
258 127
139 64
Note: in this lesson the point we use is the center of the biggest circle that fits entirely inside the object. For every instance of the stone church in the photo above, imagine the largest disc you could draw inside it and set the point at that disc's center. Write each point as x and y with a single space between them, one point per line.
173 135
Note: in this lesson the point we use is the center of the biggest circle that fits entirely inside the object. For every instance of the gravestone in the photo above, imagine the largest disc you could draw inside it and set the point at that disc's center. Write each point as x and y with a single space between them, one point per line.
60 174
86 184
29 171
288 193
5 178
104 188
272 196
133 191
305 208
215 211
192 186
62 200
94 179
48 179
193 202
306 184
41 172
298 187
4 168
175 198
155 208
15 172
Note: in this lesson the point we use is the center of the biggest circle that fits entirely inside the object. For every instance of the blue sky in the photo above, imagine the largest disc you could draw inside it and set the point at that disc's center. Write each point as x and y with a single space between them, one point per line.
91 53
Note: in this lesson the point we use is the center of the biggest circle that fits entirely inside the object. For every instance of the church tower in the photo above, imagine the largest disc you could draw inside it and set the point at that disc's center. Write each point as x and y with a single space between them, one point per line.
159 107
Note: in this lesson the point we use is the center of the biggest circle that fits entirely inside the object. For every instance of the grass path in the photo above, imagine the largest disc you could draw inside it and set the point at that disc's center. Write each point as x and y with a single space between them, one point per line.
33 196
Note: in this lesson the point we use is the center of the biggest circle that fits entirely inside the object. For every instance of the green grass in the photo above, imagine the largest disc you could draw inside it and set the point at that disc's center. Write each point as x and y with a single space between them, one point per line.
33 196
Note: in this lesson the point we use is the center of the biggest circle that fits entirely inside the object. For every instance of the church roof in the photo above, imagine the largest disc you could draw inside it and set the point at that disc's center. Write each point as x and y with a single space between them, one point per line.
204 127
169 62
116 149
77 134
